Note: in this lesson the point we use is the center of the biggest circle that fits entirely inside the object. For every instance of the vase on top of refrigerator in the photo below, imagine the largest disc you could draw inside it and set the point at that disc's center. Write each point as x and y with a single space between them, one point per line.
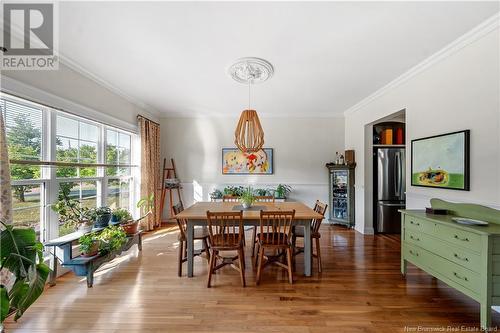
390 182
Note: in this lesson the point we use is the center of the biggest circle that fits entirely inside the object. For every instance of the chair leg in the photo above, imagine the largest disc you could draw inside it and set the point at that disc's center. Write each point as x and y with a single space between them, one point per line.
257 256
181 252
259 265
211 268
242 266
206 248
254 235
318 254
289 257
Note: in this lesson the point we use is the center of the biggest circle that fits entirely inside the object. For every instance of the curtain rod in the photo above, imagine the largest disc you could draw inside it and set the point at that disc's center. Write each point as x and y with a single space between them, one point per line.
139 116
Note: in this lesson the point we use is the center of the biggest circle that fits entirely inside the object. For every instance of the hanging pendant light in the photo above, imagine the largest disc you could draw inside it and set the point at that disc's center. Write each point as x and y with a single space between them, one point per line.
249 135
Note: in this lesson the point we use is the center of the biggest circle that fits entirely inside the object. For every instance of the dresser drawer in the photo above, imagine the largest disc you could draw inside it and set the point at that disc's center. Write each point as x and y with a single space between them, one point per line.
460 256
459 237
421 225
456 273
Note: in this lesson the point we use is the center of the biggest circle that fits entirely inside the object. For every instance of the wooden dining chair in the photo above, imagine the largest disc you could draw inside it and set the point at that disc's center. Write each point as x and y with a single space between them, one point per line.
274 234
298 231
230 198
226 234
261 198
199 234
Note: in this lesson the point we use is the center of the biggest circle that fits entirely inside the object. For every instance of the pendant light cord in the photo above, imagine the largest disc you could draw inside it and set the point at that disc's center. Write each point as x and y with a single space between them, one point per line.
248 94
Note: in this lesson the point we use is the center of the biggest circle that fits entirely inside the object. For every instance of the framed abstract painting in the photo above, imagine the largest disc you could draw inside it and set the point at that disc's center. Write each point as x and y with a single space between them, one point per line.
235 162
441 161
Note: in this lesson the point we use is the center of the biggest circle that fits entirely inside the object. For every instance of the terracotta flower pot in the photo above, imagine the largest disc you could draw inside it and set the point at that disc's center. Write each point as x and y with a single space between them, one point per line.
131 227
93 250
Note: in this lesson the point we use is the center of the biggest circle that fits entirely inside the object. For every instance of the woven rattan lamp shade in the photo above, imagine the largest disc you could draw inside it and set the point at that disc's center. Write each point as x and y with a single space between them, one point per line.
249 136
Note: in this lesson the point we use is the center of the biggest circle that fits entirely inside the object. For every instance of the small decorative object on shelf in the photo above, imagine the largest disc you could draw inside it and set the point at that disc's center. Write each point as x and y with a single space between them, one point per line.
341 189
349 157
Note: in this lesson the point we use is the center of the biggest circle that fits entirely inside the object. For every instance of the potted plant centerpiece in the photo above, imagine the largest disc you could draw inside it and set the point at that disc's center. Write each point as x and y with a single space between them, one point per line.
247 198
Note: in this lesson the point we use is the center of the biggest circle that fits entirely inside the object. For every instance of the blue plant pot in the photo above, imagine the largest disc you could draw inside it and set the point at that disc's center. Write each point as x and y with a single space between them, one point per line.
102 221
114 219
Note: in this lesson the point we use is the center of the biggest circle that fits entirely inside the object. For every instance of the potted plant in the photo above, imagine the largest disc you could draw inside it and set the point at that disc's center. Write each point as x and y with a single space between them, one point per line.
21 261
111 239
216 194
262 192
101 216
71 214
247 198
235 191
89 244
120 215
282 190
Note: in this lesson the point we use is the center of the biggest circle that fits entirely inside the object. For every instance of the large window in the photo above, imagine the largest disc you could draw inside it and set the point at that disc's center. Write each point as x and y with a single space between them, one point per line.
53 152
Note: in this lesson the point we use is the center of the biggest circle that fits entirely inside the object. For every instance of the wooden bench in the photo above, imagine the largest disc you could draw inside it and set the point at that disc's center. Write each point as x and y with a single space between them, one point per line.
85 266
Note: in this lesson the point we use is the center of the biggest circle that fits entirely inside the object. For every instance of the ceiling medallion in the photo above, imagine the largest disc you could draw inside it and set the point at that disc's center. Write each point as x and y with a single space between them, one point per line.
251 70
249 135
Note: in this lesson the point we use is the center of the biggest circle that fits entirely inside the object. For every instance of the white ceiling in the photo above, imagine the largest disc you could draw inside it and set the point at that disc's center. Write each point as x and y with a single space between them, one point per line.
327 56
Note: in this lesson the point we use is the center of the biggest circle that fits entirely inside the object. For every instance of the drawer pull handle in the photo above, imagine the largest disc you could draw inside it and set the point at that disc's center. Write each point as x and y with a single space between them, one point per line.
414 253
460 277
461 258
415 238
415 223
462 239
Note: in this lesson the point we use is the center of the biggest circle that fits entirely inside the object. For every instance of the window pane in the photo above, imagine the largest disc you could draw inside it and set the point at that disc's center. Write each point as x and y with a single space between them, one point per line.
24 137
67 127
124 141
88 154
118 194
26 206
113 193
112 137
89 132
85 192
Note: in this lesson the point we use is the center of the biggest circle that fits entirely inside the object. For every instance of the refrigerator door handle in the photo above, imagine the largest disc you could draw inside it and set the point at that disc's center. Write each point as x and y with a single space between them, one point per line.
397 175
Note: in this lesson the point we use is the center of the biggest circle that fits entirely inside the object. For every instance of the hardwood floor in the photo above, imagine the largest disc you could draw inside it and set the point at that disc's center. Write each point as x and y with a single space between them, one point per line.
360 290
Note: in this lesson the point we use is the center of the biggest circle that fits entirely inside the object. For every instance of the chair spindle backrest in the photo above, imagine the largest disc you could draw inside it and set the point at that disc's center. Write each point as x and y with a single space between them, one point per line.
264 198
319 207
230 198
180 222
276 226
225 228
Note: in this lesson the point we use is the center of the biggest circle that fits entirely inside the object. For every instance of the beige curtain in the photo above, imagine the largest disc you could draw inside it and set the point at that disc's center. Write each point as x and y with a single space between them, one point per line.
5 189
150 168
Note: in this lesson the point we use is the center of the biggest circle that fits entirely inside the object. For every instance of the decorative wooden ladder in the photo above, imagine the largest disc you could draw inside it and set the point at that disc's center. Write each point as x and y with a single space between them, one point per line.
169 173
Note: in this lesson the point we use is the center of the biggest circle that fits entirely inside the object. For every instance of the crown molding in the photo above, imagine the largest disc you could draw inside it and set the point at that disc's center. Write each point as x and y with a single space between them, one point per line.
75 66
468 38
194 115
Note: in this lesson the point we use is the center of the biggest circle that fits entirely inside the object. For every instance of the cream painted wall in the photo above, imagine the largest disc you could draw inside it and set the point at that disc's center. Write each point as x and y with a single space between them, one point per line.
67 85
460 91
302 147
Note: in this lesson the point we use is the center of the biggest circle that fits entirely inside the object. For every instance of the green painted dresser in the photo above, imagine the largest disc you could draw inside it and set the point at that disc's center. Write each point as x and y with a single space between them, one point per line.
466 258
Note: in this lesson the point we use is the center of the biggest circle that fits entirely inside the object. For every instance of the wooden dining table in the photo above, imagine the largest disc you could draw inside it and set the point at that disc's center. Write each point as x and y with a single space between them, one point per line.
196 215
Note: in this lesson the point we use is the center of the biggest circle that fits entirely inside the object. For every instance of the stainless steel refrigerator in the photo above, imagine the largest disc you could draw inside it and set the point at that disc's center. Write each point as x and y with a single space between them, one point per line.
390 189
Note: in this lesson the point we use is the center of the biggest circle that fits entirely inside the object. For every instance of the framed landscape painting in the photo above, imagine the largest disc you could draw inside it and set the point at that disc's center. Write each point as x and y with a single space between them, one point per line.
441 161
235 162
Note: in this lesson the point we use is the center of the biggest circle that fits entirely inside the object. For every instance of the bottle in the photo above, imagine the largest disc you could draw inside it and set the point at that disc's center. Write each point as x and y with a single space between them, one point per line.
341 159
336 157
